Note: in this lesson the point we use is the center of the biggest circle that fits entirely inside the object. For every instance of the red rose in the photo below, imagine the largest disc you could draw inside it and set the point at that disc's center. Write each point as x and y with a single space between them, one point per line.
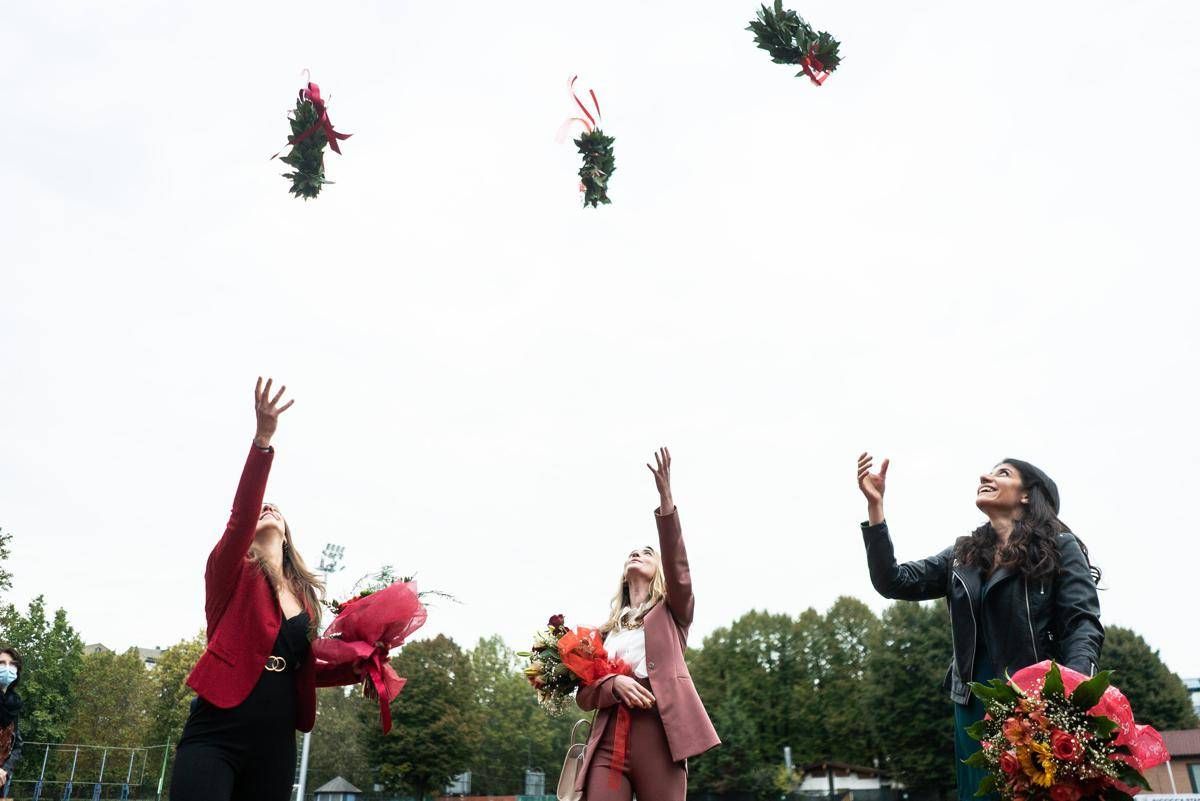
1065 792
1066 748
1009 763
557 620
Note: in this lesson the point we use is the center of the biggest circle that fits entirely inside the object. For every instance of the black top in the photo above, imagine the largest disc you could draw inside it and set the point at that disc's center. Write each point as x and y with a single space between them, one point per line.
292 643
270 709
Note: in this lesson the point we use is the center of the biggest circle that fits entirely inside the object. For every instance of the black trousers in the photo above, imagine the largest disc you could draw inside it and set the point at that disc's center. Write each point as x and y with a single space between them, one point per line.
247 753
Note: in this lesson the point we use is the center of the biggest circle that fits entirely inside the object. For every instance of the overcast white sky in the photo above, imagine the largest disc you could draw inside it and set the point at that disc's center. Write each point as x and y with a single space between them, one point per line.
970 243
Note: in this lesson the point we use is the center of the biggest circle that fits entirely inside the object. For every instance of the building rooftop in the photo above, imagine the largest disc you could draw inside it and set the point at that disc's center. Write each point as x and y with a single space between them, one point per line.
337 785
1184 742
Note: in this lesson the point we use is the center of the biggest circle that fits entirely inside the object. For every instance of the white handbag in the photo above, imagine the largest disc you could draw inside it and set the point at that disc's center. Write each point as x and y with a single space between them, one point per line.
572 765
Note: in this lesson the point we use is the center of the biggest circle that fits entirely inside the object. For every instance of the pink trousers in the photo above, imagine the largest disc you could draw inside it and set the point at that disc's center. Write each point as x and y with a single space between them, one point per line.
648 771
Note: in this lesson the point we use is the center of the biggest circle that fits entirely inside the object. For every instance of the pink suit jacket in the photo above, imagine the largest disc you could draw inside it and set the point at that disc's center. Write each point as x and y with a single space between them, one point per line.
689 730
243 613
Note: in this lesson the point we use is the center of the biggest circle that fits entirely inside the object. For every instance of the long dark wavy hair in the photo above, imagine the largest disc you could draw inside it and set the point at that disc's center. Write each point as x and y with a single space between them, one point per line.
1031 549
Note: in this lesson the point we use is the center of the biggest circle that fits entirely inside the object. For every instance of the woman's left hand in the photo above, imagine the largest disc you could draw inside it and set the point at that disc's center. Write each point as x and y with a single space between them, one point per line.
662 479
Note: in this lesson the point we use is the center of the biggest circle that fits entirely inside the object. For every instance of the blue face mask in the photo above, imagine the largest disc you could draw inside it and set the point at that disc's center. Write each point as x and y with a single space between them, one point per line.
8 674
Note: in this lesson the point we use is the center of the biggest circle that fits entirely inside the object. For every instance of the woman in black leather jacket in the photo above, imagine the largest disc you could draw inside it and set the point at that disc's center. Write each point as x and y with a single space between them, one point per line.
1020 588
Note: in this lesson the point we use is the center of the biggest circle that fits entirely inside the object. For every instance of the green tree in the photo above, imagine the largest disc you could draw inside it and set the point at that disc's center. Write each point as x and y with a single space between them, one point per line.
848 631
53 656
171 698
338 746
114 701
436 719
516 733
755 679
5 576
1158 696
913 716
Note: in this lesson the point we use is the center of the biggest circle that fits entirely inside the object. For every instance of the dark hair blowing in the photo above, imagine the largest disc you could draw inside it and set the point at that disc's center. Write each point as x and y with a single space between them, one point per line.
1031 548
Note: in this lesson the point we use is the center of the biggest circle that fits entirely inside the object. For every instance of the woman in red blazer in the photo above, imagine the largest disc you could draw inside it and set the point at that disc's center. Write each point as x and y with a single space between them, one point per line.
256 681
648 629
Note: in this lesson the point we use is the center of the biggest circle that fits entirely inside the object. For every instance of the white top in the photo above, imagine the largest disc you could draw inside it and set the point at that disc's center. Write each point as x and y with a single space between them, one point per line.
629 645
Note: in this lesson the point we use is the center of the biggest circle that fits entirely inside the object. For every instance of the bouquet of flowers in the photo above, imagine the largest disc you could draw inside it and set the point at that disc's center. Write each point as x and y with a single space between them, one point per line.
365 628
561 661
1053 734
311 131
791 40
596 148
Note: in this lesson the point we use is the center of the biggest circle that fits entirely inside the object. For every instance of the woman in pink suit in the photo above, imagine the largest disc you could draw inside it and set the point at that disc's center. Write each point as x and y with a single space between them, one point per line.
256 681
648 628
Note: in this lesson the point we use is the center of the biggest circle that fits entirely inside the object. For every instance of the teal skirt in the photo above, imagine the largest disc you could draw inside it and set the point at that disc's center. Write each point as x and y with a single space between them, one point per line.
965 715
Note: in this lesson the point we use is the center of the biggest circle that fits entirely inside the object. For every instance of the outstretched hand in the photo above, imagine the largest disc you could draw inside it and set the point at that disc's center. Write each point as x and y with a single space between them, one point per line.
872 486
662 479
267 411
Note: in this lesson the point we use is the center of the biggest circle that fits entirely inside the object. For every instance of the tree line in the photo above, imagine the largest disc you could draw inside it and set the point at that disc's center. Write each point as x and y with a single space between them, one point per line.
845 685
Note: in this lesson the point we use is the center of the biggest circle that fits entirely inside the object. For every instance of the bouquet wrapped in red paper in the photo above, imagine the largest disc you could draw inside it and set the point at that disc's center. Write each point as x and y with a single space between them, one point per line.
1053 734
365 629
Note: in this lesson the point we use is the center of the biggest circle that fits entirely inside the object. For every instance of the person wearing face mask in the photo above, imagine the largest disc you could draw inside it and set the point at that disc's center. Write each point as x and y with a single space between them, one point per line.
10 711
647 630
256 680
1020 588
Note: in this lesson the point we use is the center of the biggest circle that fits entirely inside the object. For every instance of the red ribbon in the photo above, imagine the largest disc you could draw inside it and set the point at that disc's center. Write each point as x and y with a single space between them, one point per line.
811 65
386 682
313 94
583 652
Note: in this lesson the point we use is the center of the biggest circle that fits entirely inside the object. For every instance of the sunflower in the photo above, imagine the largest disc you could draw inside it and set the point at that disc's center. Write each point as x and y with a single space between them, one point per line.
1037 763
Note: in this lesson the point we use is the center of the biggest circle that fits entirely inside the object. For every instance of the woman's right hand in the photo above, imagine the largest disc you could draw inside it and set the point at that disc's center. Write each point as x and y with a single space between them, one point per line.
872 486
630 692
267 411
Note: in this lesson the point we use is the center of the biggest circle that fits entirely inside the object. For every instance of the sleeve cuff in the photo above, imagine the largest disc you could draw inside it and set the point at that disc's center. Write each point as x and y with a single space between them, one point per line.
878 528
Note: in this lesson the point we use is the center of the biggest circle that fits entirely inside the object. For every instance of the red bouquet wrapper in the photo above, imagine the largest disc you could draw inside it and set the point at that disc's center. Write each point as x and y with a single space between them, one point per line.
363 633
1145 744
583 652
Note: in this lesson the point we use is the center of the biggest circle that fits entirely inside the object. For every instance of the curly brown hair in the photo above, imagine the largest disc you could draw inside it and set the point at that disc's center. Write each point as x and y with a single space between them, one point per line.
1031 548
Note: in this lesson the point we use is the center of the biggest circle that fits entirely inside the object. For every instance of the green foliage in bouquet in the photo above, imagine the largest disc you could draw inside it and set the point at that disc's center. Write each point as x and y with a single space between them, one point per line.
381 580
790 40
1053 713
598 166
307 157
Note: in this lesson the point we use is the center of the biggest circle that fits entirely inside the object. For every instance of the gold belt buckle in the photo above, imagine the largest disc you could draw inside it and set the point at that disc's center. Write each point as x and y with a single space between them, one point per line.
276 664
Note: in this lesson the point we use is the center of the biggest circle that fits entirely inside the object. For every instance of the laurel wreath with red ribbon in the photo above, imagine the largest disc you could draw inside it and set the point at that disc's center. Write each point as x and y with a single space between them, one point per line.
311 131
791 40
596 148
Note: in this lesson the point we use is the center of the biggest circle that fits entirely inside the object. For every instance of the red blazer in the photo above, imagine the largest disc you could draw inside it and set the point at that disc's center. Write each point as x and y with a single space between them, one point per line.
689 730
243 612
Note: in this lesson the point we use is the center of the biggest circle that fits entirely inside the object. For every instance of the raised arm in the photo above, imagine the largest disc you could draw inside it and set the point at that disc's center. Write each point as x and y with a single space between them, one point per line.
1077 624
680 599
225 561
922 580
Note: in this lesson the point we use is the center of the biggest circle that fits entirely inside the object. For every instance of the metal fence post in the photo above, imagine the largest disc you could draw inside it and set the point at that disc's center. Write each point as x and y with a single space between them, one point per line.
163 773
71 781
128 776
100 781
37 788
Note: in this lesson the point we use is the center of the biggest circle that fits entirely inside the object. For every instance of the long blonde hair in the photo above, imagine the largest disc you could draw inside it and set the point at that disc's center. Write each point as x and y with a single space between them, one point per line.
621 616
300 580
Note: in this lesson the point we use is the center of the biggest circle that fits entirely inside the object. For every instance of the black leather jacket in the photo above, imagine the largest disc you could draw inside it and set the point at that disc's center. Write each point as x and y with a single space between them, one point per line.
1023 620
